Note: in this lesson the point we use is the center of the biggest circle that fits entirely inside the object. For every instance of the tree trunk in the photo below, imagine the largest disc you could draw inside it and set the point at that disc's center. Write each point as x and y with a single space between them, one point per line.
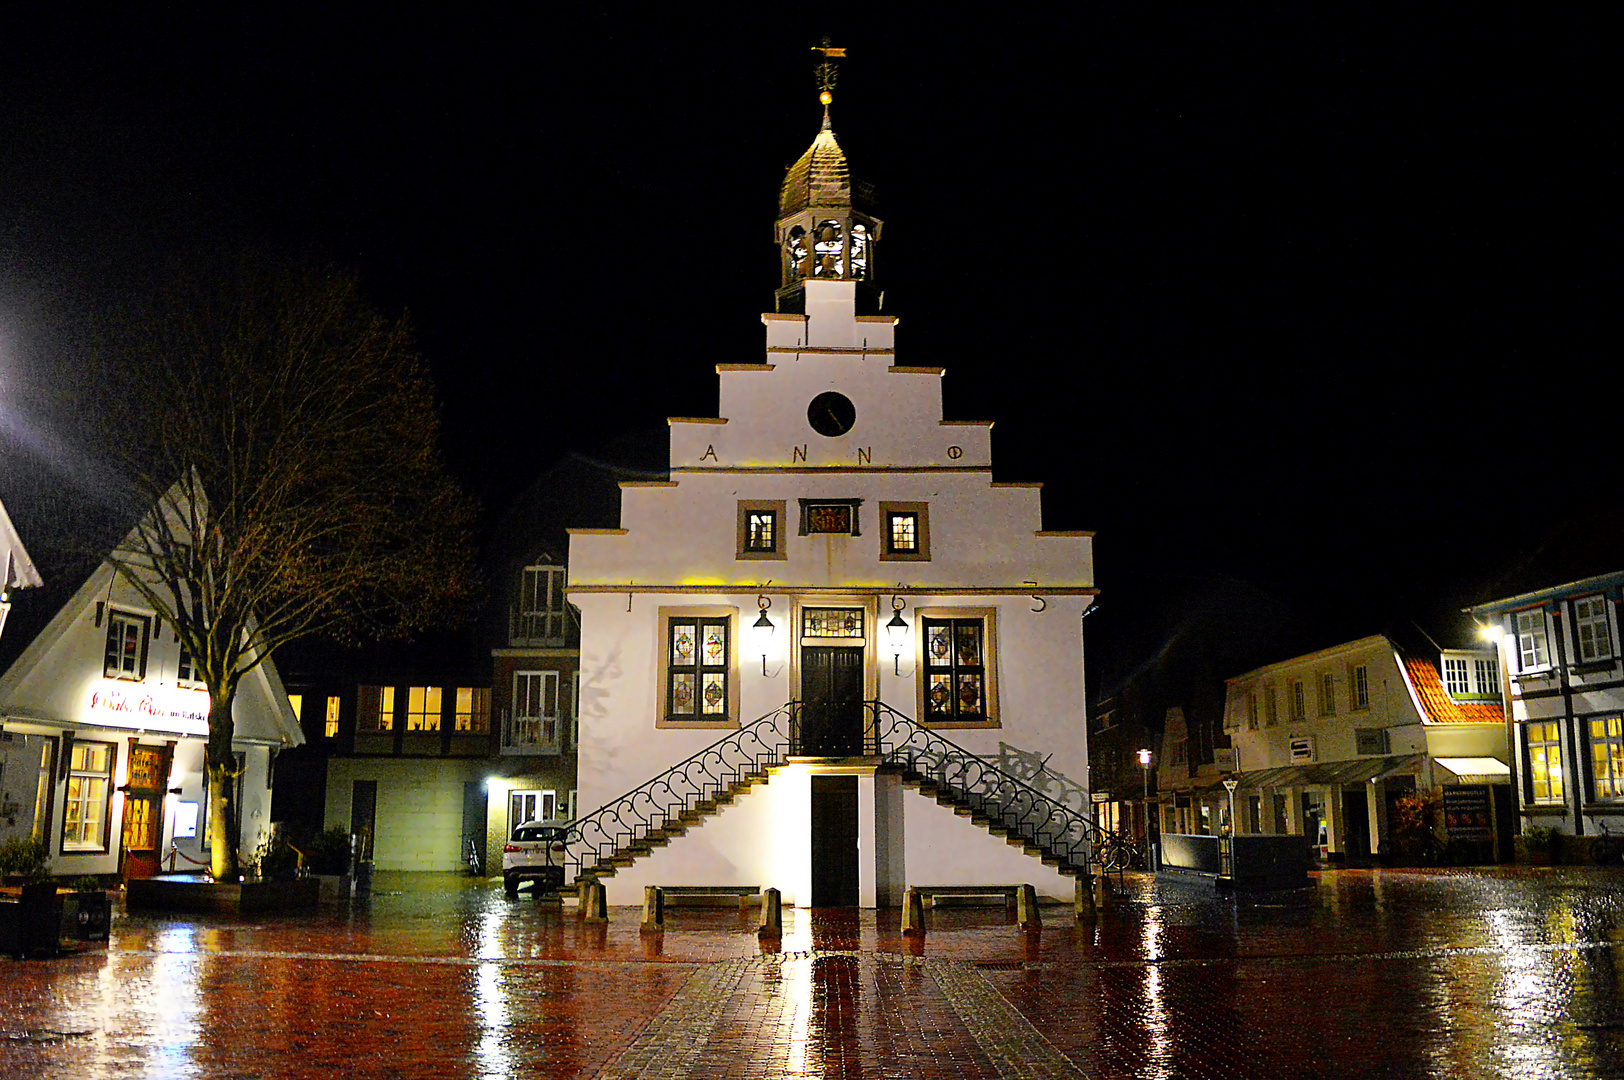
224 833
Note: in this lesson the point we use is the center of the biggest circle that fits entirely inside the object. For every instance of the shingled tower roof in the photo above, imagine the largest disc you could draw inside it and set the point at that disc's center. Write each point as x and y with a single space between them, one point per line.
822 178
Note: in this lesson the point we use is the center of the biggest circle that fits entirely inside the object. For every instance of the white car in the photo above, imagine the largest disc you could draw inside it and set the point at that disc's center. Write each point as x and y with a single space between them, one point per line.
535 853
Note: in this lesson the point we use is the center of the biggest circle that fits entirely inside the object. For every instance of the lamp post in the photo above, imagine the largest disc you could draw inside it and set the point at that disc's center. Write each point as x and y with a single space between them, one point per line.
1230 785
1144 798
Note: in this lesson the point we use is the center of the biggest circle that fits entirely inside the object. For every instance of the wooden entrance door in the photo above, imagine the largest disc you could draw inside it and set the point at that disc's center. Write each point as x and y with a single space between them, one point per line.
831 701
834 841
143 824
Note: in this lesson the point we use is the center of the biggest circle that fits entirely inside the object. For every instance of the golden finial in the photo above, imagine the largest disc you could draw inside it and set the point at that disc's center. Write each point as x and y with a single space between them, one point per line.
825 72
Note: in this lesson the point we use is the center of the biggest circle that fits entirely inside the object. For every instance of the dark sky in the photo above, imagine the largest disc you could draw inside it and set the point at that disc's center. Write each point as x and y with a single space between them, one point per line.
1263 298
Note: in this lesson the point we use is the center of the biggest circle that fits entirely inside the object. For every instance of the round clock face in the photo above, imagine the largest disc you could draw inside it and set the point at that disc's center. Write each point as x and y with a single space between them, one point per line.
831 414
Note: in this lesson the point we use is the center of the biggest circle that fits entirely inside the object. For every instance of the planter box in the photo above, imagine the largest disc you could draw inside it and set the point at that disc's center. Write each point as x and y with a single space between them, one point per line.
86 916
196 893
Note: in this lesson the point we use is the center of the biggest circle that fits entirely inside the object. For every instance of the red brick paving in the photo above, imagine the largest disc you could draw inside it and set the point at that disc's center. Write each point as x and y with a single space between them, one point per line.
1493 973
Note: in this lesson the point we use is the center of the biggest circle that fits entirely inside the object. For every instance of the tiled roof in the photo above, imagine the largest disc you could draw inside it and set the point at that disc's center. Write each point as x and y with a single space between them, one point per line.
822 178
1438 706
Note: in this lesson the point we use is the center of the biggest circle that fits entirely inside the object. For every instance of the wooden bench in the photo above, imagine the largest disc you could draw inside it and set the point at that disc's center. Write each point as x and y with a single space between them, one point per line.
929 893
707 895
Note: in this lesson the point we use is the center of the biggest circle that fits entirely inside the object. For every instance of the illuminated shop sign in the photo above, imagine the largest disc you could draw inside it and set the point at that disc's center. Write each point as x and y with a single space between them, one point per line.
168 708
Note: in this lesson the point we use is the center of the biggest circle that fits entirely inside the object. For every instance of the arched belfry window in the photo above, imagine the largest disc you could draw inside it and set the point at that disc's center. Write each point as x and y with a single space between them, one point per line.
859 252
829 250
796 253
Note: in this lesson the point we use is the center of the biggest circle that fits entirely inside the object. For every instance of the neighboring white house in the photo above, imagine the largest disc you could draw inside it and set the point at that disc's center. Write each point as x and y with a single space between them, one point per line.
1324 743
105 730
828 501
16 569
1560 647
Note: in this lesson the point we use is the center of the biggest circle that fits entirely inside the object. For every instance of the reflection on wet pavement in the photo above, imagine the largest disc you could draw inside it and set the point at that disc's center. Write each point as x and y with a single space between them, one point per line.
1496 973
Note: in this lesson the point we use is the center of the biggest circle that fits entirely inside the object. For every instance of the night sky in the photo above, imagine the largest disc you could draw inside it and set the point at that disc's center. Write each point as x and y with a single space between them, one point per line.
1296 309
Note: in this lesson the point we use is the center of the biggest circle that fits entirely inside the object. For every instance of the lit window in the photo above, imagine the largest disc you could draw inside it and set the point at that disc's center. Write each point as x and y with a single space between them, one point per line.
126 656
423 708
90 787
1532 651
760 529
296 703
1361 687
375 709
473 709
1607 757
539 618
1545 762
330 722
904 532
697 669
957 687
1327 701
1591 633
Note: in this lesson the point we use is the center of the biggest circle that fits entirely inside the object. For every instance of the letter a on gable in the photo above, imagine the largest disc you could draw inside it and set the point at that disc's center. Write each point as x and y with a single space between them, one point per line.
710 454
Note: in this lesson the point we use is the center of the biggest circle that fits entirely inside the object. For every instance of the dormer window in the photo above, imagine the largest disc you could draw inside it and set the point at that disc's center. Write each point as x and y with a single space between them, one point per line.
1468 677
539 616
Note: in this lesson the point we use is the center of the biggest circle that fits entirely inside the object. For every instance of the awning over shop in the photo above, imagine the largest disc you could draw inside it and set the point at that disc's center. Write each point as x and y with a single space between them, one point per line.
1326 774
1478 770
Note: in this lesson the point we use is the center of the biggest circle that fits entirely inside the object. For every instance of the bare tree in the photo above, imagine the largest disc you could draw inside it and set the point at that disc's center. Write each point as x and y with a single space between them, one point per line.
287 440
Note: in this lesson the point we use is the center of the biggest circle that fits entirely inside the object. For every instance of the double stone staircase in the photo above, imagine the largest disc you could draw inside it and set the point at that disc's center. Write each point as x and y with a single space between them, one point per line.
626 829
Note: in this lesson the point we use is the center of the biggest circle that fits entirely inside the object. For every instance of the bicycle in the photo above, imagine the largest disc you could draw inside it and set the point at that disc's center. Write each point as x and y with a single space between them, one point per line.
476 865
1114 851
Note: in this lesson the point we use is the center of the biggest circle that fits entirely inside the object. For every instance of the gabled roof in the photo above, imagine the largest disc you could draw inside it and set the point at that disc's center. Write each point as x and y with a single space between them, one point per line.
16 569
1437 707
1553 592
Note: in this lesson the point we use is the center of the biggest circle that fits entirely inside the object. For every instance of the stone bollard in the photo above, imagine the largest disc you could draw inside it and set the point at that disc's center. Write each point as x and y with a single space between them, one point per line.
1103 900
1026 909
583 895
913 913
1083 901
772 915
596 908
653 908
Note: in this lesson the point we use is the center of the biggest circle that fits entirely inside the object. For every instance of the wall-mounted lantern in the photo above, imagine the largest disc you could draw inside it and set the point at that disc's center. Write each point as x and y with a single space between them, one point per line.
762 631
896 632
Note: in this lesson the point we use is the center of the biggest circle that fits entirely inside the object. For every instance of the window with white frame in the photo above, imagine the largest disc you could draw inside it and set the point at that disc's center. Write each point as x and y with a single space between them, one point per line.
1327 701
1361 687
1533 649
186 672
126 653
1544 746
1457 681
1593 638
1606 758
525 806
90 790
1488 676
540 616
533 725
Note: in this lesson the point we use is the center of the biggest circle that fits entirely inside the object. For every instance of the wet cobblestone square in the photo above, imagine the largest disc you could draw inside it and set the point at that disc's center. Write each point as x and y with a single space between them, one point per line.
1463 973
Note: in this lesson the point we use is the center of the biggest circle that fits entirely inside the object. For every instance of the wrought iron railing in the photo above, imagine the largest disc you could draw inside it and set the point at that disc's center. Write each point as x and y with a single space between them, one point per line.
626 824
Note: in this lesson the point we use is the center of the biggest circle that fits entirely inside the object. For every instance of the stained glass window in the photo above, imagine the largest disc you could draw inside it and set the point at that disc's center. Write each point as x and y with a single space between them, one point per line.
832 623
955 688
902 532
697 668
761 531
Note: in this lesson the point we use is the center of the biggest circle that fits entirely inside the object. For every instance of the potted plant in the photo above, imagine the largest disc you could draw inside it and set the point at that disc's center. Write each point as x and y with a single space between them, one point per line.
328 857
23 859
85 911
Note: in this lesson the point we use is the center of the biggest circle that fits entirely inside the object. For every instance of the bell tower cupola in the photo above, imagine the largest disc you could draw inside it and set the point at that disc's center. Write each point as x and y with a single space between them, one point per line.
827 228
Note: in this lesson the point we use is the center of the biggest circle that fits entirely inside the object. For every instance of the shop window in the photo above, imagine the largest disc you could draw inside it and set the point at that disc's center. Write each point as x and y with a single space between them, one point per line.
126 653
1544 745
90 790
760 529
698 666
423 708
375 709
904 532
957 660
1606 757
473 709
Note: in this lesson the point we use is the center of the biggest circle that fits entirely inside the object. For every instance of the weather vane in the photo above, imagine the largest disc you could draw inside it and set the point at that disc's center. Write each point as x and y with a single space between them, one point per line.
826 70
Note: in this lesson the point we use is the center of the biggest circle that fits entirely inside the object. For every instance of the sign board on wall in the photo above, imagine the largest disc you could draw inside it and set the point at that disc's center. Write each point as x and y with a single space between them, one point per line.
1466 812
1303 750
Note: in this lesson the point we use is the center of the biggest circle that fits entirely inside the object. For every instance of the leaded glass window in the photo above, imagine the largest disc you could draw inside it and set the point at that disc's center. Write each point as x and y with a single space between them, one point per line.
697 668
902 532
761 531
955 669
825 623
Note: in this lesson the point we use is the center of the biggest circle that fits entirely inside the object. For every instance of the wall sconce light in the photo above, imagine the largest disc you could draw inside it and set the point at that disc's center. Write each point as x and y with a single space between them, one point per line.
763 630
896 631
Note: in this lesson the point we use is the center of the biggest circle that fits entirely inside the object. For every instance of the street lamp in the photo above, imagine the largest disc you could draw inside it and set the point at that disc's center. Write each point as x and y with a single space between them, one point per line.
1230 785
1144 800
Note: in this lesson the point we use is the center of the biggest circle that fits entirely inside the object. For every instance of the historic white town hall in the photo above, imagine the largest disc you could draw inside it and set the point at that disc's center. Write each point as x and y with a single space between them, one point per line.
805 654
